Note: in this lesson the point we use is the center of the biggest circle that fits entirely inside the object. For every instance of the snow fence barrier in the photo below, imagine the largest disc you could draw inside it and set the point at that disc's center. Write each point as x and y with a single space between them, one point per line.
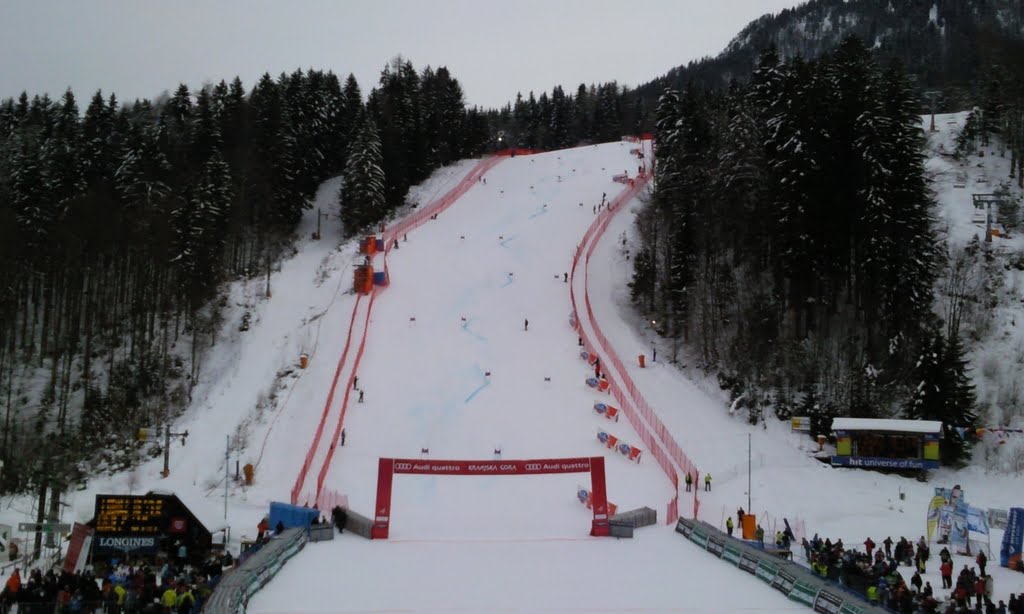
239 585
400 229
792 580
627 394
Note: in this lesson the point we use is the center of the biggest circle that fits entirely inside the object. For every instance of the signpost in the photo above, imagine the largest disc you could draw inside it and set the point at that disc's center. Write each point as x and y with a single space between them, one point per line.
44 527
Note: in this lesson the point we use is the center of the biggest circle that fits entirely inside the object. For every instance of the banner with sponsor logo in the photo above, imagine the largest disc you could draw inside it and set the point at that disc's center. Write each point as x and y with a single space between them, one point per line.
135 544
934 507
958 534
612 442
388 467
976 520
866 462
612 413
1010 553
504 467
78 548
583 494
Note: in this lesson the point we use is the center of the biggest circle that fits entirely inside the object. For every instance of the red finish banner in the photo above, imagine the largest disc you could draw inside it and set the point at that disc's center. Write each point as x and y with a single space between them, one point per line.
487 467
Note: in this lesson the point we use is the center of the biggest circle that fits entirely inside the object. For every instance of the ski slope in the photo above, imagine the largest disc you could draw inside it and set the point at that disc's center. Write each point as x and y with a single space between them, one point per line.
462 288
492 259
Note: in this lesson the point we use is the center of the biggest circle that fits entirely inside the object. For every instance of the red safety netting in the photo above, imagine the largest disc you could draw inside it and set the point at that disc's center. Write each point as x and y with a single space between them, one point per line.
404 226
653 433
300 480
426 213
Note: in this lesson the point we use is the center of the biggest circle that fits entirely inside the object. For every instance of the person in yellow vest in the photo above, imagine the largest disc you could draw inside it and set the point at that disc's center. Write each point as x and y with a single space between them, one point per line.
119 589
707 482
185 599
728 525
169 599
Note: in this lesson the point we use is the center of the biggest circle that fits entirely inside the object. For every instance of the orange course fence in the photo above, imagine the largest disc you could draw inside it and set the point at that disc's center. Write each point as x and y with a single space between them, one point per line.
662 445
410 223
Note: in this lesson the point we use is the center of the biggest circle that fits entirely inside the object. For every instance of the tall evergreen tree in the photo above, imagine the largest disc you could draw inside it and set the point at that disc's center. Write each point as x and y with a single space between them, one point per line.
361 199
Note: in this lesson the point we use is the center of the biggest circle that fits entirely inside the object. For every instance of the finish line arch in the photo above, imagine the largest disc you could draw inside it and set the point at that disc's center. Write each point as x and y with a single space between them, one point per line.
388 467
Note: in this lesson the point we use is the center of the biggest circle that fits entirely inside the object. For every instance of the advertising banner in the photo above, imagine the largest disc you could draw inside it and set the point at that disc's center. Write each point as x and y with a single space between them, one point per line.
866 462
783 582
699 537
976 520
803 592
683 527
748 563
827 603
851 608
137 544
612 413
505 467
78 548
1010 553
958 528
766 571
732 553
934 507
716 545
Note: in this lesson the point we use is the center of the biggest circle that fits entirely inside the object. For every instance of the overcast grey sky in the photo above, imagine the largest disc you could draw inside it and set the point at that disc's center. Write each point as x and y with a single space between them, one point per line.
140 48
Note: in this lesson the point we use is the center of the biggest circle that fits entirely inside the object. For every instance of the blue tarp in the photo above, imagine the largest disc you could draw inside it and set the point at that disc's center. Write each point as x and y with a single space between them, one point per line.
291 515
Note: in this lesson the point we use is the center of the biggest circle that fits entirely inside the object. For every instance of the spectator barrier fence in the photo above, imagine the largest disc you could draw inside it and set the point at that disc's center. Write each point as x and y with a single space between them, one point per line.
794 581
236 587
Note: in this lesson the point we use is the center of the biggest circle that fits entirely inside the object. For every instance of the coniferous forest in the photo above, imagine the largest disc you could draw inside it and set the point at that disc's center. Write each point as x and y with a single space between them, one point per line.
789 244
788 248
119 222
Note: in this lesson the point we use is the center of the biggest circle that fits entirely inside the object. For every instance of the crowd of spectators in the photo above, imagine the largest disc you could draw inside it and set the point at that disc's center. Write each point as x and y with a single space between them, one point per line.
139 588
876 574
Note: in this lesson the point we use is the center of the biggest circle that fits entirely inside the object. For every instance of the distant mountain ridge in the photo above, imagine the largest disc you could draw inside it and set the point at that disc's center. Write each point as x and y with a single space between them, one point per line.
947 44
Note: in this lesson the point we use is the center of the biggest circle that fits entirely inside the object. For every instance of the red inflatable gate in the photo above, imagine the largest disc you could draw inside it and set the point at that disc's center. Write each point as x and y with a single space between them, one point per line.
390 466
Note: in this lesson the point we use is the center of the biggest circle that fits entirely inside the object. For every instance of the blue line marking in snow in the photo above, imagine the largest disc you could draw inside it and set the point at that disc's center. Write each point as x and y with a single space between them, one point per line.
504 242
540 211
475 392
508 282
465 327
487 382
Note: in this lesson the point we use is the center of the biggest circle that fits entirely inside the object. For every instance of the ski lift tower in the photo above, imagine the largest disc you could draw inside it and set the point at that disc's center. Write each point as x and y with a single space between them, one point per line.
985 201
932 96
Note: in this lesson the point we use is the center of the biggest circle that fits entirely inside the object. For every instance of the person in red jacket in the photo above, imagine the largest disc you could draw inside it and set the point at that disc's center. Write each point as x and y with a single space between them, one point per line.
946 569
869 546
979 590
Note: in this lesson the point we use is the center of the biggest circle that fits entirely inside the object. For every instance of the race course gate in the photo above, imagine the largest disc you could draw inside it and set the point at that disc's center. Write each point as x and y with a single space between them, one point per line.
388 467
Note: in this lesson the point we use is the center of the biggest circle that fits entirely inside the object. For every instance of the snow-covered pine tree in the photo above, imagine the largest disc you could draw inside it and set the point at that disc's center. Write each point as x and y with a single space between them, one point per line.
142 176
61 161
98 133
959 413
913 255
361 197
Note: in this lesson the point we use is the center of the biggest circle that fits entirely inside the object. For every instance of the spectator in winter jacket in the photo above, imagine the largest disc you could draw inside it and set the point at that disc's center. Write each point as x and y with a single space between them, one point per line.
888 547
728 525
981 560
759 534
169 599
869 546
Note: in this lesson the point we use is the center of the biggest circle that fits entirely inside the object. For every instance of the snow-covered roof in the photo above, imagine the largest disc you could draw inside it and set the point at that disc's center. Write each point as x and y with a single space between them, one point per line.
202 508
881 424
